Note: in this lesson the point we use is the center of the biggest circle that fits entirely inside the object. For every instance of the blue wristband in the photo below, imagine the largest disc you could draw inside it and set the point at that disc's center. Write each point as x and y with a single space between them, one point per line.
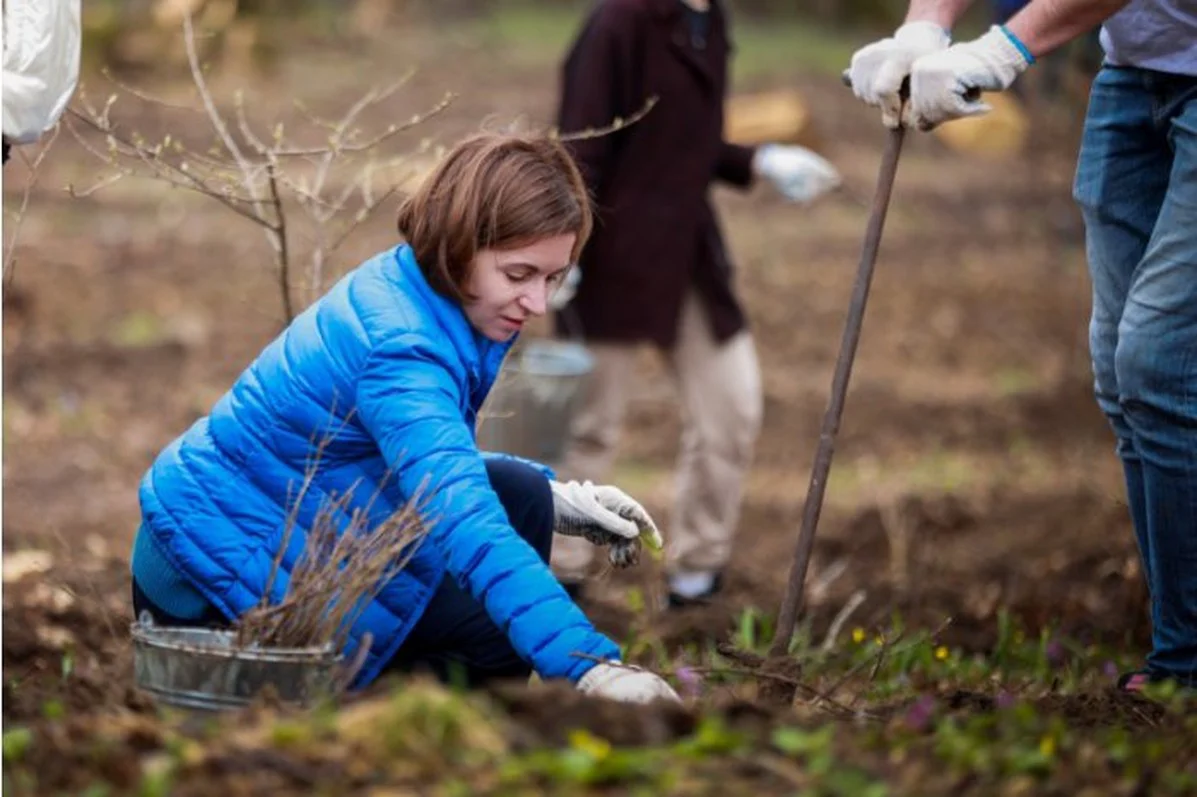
1022 48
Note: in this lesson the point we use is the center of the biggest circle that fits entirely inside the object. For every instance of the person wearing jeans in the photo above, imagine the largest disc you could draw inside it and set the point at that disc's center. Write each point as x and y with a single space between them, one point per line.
1136 184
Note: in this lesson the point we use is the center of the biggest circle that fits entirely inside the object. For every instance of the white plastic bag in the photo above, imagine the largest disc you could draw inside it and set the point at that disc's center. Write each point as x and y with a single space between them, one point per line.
41 65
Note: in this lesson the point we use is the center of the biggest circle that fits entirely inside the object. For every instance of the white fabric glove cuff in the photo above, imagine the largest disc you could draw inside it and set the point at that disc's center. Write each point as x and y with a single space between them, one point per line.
1004 54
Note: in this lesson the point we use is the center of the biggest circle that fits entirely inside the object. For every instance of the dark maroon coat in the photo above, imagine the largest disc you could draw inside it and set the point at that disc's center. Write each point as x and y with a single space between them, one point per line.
656 233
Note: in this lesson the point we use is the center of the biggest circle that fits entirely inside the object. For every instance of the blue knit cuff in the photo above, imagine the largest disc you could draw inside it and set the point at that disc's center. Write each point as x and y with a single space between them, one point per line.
1022 48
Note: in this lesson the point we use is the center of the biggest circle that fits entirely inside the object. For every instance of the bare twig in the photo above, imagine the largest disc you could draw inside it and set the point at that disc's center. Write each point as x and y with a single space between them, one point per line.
175 174
261 178
814 696
820 585
141 94
243 125
365 212
345 561
201 85
278 239
841 617
617 124
392 130
886 643
14 227
99 185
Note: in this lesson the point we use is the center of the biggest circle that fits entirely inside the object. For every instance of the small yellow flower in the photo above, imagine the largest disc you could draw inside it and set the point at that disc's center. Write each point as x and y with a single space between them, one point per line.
941 653
596 748
1047 746
879 641
858 635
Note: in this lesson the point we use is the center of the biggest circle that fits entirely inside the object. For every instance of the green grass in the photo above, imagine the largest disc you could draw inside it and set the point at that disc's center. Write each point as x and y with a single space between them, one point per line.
783 46
535 34
880 713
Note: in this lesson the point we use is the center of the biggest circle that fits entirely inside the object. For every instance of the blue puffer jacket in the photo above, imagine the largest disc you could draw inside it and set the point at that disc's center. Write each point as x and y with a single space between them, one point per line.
391 375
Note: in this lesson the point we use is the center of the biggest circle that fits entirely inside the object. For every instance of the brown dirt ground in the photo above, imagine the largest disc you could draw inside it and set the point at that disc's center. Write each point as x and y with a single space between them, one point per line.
969 432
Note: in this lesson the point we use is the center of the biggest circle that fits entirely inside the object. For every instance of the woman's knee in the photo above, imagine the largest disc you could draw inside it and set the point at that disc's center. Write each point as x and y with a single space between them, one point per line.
524 492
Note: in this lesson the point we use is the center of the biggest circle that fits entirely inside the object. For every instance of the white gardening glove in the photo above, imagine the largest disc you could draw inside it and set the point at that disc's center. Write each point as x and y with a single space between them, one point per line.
625 683
947 85
878 69
606 516
797 173
567 289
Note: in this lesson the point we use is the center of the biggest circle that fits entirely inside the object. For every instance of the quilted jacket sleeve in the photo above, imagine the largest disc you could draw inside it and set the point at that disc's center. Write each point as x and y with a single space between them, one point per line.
408 400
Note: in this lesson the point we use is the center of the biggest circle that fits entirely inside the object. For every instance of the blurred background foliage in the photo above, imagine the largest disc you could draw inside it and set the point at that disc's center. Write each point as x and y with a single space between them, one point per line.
140 35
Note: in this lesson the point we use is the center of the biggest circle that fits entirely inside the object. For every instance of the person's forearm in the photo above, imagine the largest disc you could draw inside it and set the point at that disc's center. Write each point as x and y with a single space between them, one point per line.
942 12
1044 25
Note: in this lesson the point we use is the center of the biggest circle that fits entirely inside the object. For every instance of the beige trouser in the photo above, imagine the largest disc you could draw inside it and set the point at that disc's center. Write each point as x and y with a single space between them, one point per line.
720 390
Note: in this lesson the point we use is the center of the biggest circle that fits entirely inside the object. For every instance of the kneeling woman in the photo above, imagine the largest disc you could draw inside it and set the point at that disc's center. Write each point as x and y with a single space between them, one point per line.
388 371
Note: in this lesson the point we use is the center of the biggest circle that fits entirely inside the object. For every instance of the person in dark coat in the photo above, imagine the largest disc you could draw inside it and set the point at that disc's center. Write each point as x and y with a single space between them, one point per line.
656 269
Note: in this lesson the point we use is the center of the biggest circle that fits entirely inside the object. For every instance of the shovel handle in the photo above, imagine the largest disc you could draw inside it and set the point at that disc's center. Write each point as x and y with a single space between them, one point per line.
791 604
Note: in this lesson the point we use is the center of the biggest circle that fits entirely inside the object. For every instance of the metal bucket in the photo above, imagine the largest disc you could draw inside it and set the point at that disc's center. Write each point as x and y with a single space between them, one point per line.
529 411
200 668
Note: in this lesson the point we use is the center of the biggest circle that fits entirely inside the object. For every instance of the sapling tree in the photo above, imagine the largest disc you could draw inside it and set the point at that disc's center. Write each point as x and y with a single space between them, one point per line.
312 183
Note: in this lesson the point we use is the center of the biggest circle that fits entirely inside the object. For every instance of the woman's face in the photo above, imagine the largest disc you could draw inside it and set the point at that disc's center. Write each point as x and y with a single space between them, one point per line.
514 285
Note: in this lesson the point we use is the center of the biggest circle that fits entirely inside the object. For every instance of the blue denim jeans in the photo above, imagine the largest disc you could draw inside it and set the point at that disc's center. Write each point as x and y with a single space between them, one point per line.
1136 184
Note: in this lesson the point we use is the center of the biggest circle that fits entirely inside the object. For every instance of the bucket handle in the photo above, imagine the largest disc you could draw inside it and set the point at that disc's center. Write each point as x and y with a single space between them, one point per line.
354 665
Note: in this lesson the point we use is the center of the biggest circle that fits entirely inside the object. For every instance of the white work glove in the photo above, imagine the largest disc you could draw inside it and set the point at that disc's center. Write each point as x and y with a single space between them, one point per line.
797 173
567 289
625 683
947 85
606 516
878 69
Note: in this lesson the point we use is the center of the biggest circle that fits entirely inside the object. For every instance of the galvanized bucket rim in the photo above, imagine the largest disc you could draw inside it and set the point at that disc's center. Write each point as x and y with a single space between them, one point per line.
554 358
151 636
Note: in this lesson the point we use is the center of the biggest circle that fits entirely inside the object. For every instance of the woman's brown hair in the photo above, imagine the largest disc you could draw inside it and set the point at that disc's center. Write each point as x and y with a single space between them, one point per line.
492 191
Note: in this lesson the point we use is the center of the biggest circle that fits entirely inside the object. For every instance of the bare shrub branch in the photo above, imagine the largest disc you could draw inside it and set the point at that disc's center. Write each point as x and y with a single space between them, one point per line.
265 179
617 124
14 226
343 564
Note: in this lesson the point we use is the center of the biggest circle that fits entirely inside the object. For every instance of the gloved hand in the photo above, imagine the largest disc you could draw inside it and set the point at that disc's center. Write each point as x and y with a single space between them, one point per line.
567 289
797 173
878 69
606 516
940 81
625 683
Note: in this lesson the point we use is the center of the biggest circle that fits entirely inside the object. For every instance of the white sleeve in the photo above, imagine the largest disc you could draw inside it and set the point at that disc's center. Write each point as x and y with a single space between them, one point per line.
41 64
